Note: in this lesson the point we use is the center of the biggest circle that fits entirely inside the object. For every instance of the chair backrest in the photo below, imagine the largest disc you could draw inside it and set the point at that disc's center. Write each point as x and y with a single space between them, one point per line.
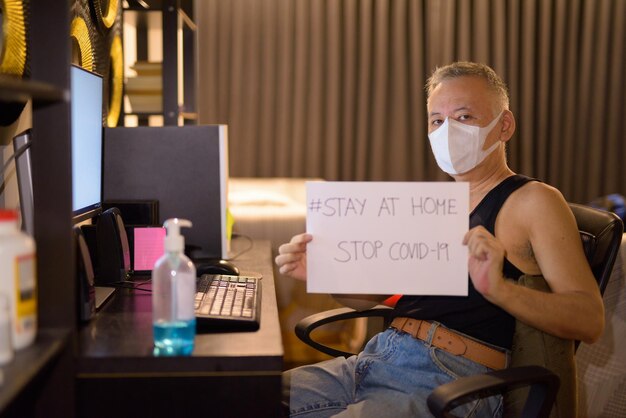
601 233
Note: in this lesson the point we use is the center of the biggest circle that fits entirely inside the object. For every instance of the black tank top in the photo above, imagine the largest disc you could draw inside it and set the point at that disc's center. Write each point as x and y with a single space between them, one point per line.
473 314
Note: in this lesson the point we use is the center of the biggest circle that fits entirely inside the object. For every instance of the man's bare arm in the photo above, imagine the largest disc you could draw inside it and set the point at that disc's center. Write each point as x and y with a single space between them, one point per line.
574 308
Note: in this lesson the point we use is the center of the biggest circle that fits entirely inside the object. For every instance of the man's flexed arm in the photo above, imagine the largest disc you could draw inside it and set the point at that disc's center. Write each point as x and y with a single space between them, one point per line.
574 308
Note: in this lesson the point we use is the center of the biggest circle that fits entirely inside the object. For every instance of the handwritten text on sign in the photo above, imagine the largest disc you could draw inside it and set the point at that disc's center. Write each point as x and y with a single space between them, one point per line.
387 237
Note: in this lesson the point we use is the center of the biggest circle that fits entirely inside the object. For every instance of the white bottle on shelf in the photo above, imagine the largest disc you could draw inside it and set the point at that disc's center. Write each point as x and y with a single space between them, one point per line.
17 279
173 294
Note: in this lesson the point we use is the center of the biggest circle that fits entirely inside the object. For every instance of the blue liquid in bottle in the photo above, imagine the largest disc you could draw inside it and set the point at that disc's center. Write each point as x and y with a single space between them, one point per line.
174 338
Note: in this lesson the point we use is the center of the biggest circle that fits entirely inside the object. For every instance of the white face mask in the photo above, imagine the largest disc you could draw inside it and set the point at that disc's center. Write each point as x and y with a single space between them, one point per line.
458 147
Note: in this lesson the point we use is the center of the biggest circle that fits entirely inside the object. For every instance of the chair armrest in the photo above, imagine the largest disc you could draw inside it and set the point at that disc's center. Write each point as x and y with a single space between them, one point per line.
543 388
307 325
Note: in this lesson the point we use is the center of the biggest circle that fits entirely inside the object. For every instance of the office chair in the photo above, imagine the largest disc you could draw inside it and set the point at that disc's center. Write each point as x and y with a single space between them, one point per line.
601 235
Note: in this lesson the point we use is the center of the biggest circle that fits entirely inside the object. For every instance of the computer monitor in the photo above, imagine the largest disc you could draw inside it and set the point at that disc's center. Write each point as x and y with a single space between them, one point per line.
86 111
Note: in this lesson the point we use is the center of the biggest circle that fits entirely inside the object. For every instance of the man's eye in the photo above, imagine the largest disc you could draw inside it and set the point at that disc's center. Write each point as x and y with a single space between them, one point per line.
436 122
464 117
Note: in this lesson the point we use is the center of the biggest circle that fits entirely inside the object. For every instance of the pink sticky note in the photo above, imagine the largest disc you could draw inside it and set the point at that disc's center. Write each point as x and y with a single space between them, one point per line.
148 246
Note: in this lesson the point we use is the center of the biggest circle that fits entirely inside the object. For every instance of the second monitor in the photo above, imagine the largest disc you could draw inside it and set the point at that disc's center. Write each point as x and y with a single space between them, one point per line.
185 168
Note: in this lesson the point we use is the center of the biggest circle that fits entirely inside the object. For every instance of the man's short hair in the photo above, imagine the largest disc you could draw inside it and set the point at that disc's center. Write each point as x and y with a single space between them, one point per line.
465 68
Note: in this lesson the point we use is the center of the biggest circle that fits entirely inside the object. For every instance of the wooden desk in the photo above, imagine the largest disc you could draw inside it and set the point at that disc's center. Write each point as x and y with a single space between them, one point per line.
234 374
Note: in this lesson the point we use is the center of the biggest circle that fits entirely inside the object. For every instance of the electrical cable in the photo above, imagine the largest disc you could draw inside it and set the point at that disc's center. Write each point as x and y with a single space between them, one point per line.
127 284
245 250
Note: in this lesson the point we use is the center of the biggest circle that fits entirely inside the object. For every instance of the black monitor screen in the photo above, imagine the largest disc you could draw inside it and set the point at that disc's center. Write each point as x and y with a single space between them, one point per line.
86 102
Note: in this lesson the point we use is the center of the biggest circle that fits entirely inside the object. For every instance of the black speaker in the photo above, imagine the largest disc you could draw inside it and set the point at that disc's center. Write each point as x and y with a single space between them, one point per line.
86 297
112 248
89 234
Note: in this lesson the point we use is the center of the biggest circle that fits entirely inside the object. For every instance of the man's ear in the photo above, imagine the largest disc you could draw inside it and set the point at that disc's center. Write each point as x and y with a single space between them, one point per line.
508 126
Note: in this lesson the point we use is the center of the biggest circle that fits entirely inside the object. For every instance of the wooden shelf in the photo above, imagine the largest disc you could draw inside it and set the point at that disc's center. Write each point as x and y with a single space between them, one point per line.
177 15
39 380
189 115
14 89
29 363
143 114
185 115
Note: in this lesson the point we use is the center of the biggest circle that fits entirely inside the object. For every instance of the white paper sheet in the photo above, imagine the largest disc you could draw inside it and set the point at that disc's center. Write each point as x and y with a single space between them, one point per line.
387 237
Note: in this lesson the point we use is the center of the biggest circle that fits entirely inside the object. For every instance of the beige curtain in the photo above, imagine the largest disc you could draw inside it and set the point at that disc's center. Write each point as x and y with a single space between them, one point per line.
334 88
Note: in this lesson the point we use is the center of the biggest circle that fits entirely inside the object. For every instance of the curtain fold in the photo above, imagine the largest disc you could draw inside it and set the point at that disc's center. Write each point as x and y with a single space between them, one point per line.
334 88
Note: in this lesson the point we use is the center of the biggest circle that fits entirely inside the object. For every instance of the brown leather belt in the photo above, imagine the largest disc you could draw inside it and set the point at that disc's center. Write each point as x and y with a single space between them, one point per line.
452 342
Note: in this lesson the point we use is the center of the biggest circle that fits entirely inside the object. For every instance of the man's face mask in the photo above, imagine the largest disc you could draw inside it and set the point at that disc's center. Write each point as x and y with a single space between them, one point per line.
458 147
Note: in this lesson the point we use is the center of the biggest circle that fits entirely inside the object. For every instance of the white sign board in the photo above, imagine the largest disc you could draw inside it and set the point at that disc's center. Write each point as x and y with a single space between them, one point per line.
387 237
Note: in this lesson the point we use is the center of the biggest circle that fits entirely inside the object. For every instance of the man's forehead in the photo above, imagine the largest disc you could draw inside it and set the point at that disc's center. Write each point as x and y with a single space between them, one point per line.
463 84
456 100
464 91
461 108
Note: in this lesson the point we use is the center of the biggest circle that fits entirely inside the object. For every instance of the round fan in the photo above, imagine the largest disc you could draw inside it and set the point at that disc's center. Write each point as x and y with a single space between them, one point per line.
13 52
14 59
105 12
116 81
82 49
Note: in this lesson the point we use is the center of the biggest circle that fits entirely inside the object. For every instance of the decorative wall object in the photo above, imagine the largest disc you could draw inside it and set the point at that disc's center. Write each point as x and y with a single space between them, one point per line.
83 36
97 25
116 84
82 50
105 12
115 76
14 57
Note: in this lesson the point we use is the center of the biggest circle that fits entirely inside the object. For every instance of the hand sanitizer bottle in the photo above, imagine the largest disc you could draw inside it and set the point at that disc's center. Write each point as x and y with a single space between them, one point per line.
173 293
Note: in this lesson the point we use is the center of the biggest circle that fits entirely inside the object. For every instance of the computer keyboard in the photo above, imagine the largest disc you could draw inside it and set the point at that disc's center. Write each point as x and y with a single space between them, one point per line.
228 302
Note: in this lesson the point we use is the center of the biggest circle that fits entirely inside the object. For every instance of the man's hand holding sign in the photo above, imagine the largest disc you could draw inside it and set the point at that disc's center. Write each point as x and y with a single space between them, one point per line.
384 237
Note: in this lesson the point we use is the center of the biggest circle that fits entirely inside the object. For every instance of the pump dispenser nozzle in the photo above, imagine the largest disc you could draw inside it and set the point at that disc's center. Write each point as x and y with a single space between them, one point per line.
174 242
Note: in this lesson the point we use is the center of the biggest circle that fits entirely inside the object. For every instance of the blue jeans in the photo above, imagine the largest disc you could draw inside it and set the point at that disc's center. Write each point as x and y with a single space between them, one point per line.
392 377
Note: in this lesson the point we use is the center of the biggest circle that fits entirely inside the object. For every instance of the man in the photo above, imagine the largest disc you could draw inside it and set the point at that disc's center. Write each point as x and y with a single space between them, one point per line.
518 226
